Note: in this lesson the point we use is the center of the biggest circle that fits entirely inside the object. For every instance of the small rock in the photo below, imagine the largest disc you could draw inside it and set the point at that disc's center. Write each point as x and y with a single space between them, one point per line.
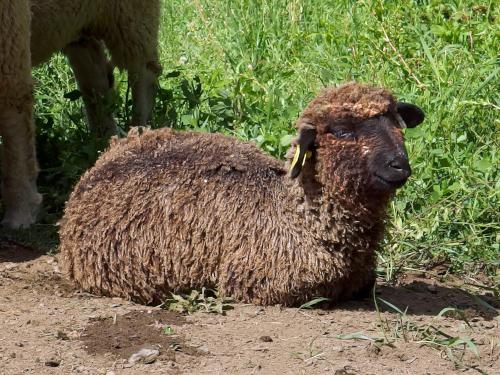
60 335
260 311
203 349
12 355
260 349
19 344
373 351
110 373
403 357
266 339
481 341
489 325
146 356
52 362
347 370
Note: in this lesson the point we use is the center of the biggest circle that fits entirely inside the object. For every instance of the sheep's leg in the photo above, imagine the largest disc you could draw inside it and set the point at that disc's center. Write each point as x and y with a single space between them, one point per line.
144 84
94 75
19 167
133 44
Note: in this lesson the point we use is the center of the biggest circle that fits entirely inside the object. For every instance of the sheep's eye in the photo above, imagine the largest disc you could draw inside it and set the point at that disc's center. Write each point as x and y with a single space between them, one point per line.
343 133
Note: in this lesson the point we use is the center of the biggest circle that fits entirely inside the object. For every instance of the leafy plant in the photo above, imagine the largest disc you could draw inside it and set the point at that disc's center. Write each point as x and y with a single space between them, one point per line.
167 330
208 301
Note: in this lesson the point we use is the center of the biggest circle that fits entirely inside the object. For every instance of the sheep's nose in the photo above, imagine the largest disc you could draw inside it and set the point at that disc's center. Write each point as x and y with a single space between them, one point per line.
399 166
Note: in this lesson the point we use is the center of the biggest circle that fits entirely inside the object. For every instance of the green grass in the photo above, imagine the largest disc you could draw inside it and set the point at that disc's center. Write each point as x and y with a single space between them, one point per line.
248 68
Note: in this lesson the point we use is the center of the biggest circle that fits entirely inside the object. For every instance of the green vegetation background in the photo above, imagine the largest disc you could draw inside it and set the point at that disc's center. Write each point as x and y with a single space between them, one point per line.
248 67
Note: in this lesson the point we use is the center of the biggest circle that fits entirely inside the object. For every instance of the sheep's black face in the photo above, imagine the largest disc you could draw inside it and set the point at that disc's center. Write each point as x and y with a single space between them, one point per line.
380 146
369 154
383 149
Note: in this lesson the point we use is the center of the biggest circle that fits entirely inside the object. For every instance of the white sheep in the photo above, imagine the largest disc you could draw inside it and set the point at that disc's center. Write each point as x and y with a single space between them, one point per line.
30 32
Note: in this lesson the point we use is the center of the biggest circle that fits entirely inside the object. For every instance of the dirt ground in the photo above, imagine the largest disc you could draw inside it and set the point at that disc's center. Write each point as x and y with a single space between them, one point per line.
48 327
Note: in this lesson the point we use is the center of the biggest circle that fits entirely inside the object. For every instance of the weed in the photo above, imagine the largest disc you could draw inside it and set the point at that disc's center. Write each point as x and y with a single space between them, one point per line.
312 353
399 327
167 330
314 303
208 301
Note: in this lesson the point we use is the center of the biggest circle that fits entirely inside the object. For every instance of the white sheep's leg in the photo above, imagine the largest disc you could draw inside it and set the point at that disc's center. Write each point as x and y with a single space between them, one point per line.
144 83
19 169
94 75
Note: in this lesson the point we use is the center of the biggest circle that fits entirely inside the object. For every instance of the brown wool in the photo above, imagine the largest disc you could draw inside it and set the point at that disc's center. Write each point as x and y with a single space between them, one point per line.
164 212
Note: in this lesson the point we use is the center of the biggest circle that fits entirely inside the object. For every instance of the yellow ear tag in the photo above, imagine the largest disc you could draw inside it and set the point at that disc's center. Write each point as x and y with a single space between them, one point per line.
295 157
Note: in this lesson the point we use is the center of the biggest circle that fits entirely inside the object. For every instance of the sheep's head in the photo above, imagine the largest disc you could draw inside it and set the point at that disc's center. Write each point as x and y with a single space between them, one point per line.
351 137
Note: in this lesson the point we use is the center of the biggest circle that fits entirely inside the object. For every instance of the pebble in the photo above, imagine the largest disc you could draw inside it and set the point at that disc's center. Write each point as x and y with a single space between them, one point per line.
346 370
266 339
60 335
489 325
145 355
52 362
203 349
260 311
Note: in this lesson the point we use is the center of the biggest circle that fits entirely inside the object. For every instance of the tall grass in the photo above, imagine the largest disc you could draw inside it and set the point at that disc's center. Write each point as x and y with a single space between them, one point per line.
247 67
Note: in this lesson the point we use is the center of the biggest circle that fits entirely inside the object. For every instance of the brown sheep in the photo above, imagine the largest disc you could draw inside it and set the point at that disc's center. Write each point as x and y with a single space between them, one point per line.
170 211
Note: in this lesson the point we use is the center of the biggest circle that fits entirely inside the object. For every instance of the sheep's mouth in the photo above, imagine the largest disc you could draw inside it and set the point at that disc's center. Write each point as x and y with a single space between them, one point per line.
392 184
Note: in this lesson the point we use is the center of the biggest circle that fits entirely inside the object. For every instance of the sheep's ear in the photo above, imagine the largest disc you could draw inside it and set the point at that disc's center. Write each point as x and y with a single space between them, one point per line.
304 148
411 114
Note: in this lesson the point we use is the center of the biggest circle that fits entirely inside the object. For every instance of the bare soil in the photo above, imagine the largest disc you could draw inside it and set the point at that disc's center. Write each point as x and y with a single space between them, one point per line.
48 327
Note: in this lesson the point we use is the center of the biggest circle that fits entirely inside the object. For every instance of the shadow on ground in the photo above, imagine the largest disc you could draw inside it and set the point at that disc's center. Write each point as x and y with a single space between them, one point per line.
427 297
15 252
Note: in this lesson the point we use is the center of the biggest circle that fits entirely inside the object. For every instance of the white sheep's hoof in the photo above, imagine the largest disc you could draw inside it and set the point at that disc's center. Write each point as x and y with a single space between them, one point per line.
21 217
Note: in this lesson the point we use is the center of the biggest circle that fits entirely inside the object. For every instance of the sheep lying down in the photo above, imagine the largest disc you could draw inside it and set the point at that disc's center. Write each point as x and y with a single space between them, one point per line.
165 212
